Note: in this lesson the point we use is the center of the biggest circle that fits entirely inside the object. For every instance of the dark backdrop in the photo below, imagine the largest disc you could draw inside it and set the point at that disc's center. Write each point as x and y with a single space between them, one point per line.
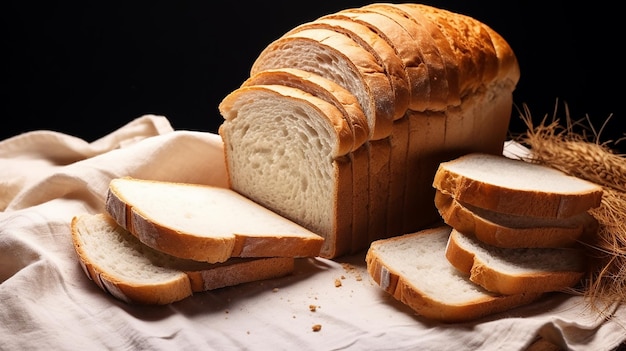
89 67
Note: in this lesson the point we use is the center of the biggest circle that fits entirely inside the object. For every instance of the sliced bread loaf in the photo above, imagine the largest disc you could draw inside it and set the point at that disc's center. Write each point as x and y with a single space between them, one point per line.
515 271
511 231
442 121
501 184
413 268
204 223
122 266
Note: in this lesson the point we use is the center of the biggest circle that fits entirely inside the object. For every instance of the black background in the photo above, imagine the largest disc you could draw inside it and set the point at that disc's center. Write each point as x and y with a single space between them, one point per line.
87 68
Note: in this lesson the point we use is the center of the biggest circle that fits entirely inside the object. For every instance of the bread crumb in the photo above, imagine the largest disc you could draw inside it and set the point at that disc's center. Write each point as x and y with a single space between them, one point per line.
317 327
275 290
312 308
337 283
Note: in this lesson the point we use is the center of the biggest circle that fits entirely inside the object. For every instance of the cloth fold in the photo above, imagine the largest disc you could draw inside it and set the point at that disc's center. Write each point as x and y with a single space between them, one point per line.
47 302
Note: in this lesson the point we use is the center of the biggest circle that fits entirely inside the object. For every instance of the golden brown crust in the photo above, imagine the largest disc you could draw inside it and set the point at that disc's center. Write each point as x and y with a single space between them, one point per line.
475 53
379 173
438 97
445 51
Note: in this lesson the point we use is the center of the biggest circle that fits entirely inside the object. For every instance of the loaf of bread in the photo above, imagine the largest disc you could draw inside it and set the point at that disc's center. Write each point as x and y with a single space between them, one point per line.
119 264
204 223
413 268
432 85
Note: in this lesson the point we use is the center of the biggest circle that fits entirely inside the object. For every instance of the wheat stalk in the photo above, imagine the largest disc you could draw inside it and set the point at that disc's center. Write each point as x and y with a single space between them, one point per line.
581 154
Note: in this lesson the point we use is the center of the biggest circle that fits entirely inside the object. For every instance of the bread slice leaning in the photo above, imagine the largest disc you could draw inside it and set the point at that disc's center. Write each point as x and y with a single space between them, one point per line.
501 184
413 268
512 231
515 271
122 266
204 223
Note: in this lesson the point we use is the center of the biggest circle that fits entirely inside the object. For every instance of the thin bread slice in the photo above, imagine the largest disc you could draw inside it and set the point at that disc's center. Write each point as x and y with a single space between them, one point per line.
345 62
359 156
511 231
501 184
380 49
204 223
283 151
515 271
414 270
406 47
119 264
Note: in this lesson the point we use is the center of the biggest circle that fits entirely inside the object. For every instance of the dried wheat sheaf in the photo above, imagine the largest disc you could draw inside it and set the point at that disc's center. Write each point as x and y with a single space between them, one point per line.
574 147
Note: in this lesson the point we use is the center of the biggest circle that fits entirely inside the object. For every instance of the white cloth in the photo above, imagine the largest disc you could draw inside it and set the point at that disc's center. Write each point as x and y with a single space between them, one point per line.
47 302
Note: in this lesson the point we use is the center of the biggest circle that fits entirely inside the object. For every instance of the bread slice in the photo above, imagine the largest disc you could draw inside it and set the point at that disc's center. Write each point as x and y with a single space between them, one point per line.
204 223
516 187
414 270
512 231
380 50
122 266
406 47
515 271
345 62
359 156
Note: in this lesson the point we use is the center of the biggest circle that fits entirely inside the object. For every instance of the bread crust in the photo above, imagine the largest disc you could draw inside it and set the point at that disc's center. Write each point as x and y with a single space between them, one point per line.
429 304
475 54
505 234
533 280
438 98
514 200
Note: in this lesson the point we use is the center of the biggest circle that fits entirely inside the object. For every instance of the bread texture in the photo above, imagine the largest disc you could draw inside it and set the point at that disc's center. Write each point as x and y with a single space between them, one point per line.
361 152
413 268
433 85
516 187
515 271
119 264
512 231
204 223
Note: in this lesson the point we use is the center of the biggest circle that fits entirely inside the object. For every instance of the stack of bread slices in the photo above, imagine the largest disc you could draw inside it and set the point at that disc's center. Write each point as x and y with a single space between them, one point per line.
513 231
344 119
160 242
